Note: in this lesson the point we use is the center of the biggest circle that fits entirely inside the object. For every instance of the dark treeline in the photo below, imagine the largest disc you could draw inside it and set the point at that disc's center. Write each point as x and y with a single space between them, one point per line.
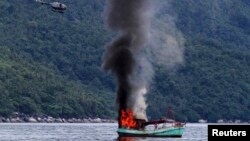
50 62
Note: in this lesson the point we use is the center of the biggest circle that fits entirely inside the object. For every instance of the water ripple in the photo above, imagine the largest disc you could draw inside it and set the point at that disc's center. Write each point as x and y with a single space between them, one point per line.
84 132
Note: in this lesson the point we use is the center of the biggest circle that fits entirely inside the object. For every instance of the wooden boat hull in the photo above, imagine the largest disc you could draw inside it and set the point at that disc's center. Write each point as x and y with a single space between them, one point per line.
164 132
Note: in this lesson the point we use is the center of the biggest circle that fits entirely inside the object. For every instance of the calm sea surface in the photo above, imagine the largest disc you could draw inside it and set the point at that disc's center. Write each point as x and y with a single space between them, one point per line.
84 132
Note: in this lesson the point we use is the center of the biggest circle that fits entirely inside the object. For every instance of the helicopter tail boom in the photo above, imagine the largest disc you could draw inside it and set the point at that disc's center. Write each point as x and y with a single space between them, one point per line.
42 2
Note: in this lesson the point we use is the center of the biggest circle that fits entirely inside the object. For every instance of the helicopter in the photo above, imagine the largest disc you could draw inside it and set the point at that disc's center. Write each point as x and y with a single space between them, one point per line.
56 6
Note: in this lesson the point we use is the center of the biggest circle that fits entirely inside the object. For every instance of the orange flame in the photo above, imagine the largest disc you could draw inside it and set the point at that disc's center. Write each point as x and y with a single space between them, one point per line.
127 119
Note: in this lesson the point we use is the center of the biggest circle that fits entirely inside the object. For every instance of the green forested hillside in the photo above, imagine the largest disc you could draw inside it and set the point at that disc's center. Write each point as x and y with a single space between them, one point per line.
50 62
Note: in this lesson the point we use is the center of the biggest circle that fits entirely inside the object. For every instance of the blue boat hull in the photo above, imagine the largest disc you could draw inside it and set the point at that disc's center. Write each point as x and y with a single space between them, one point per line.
164 132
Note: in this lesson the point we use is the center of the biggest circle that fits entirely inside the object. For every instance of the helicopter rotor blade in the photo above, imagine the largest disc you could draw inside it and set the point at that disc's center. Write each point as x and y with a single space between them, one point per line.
42 2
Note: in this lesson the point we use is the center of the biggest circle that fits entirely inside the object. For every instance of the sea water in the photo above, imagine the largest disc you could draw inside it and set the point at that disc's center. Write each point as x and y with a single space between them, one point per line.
84 132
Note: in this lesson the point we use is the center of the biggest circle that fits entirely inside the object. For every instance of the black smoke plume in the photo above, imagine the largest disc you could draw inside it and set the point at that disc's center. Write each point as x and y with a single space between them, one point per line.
126 57
131 20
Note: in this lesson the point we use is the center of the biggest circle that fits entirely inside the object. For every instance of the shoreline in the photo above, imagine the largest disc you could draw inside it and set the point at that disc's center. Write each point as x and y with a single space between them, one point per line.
23 118
49 119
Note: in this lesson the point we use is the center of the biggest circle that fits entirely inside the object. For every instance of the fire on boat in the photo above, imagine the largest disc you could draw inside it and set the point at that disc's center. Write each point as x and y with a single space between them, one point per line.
131 127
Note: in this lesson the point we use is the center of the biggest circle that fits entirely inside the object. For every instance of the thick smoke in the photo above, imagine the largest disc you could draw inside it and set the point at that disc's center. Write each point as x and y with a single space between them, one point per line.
131 19
166 45
126 57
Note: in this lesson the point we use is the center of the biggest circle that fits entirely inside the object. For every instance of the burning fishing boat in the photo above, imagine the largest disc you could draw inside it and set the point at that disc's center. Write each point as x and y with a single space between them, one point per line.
126 58
131 127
